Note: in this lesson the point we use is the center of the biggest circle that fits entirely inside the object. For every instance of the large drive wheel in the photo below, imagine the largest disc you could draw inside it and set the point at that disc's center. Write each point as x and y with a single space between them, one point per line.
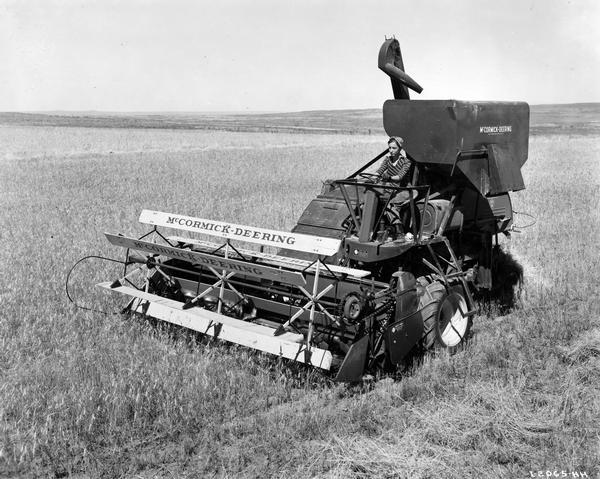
445 320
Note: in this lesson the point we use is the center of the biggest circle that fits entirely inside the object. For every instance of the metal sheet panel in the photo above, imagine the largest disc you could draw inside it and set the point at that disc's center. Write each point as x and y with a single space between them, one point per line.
504 173
249 234
427 127
325 213
435 130
401 336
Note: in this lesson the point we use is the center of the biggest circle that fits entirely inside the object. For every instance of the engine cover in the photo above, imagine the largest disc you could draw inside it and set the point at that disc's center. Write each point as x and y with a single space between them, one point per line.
432 216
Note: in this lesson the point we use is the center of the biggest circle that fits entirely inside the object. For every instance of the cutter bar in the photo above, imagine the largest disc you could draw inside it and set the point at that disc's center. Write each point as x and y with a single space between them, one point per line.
251 335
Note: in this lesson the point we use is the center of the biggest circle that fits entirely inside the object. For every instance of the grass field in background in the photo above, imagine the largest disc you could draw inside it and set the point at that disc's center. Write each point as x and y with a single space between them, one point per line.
574 118
89 394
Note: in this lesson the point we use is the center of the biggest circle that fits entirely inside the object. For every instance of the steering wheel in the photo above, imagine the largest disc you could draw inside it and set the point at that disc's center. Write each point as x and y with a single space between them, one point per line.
369 176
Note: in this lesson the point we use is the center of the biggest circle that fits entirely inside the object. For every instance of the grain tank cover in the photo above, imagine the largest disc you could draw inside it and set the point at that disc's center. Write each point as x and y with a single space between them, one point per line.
487 141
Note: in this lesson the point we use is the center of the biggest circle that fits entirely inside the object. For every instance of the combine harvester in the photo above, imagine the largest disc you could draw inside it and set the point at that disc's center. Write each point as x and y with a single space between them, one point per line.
372 270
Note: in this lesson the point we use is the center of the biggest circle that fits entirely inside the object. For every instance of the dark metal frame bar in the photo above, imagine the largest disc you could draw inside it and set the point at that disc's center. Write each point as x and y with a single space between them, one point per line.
364 167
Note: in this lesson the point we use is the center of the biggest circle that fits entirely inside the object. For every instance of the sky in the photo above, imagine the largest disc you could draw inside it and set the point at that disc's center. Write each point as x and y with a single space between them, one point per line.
291 55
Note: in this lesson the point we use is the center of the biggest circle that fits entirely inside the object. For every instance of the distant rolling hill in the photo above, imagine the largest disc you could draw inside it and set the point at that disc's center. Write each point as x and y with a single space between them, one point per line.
574 118
577 118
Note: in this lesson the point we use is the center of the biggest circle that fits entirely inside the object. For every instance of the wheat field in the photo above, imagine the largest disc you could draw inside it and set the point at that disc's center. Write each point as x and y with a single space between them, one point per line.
88 394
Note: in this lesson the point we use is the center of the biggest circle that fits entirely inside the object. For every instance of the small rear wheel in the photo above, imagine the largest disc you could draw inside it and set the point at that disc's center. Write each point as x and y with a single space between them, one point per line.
444 309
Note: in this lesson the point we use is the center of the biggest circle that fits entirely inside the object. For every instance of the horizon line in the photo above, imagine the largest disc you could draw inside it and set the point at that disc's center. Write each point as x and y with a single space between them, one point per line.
233 112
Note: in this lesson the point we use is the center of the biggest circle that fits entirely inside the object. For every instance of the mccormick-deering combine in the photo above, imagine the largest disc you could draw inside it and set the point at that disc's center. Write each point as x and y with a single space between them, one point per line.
373 270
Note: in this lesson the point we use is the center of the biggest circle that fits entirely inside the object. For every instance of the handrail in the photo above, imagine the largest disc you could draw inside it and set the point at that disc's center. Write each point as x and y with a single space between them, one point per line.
364 167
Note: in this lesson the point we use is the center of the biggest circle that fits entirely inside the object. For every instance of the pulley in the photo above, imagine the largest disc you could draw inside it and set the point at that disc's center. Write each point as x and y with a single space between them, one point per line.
353 309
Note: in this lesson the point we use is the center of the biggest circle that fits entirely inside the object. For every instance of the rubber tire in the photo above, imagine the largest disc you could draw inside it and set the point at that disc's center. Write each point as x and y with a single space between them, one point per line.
431 304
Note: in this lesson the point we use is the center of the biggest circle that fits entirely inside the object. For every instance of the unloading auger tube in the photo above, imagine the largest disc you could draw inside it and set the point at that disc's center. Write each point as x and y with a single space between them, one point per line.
372 271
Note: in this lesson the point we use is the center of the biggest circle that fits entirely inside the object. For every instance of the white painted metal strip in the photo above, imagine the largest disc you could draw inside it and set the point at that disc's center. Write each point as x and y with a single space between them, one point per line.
209 260
357 273
256 336
249 234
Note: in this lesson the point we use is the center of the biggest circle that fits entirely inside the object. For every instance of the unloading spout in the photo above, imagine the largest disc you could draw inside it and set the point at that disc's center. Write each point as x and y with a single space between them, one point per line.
390 62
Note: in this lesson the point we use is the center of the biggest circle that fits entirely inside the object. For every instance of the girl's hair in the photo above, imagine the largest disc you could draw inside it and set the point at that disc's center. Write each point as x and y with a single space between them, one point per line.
396 139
